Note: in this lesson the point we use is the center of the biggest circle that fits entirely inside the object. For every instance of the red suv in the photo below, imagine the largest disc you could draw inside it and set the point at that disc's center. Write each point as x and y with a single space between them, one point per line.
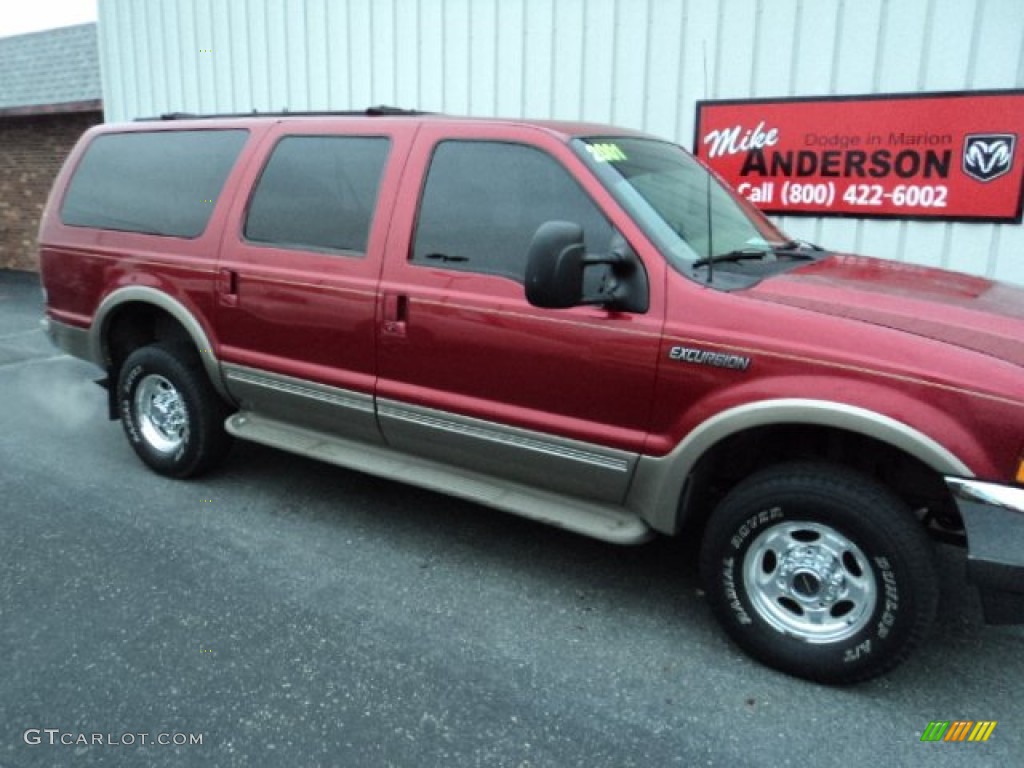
576 323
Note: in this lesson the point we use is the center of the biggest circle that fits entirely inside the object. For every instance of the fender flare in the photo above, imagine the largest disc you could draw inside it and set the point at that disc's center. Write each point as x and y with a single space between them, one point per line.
659 480
146 295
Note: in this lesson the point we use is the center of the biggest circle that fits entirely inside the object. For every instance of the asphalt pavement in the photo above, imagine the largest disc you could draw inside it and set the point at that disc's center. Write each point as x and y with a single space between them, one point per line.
289 613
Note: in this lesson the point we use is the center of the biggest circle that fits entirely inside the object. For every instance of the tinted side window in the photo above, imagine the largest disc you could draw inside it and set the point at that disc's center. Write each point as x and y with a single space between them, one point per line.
156 182
318 192
483 202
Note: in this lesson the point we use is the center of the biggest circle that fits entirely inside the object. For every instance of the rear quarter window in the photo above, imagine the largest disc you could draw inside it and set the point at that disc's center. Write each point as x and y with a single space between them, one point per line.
155 182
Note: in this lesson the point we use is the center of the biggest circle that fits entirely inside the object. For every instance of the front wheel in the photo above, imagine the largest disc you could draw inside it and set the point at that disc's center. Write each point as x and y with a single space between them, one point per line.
172 416
820 572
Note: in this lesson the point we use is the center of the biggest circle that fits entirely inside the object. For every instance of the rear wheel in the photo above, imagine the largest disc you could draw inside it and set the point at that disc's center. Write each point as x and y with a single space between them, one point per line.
173 417
820 572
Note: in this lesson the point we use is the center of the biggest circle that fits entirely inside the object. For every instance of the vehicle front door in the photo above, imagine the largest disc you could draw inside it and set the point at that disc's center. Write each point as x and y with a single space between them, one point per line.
469 372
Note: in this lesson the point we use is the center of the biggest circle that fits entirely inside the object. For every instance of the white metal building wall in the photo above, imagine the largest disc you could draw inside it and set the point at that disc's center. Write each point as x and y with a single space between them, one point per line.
637 63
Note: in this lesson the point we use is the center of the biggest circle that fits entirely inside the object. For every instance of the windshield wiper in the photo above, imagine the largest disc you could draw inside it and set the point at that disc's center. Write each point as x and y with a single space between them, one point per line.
740 254
791 248
798 245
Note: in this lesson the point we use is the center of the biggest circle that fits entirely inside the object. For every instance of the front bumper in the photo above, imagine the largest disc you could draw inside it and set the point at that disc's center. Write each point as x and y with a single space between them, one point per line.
993 517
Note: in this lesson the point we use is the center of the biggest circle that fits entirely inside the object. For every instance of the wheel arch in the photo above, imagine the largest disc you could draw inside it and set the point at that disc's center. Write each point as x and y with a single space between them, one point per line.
135 315
664 487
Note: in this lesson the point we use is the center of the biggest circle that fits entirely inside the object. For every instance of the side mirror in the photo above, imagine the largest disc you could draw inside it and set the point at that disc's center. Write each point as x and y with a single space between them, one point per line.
554 266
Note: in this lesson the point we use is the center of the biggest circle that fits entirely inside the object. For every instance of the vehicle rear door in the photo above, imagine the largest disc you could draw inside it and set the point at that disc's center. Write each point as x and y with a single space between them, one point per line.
297 282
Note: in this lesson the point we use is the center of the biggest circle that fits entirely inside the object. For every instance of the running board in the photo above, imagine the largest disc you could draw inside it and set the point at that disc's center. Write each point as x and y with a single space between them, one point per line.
599 521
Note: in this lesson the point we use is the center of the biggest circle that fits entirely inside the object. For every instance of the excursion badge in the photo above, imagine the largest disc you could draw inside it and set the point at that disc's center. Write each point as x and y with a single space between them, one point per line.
707 357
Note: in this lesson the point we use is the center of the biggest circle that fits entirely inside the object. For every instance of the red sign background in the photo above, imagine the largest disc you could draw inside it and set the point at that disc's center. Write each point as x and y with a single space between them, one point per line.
956 156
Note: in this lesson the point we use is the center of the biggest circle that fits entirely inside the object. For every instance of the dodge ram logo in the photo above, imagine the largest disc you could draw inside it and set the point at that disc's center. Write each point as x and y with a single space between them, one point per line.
988 156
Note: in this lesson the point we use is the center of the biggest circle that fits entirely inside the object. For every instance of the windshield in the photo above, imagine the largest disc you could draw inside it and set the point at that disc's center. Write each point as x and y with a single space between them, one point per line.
666 191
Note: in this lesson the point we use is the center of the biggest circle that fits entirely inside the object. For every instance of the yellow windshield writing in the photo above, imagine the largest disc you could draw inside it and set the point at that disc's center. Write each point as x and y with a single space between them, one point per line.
606 153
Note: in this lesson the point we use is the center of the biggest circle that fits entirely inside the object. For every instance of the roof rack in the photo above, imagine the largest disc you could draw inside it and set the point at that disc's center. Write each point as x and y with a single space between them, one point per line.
379 111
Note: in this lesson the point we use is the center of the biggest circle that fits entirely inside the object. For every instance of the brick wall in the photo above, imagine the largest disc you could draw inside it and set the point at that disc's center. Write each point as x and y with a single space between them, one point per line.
32 150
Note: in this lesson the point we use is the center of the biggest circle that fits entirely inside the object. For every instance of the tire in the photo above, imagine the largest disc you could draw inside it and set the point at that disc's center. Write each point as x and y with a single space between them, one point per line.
820 572
172 416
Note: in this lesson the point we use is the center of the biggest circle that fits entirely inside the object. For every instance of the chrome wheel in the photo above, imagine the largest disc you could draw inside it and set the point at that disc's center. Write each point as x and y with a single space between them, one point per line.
819 571
160 411
809 581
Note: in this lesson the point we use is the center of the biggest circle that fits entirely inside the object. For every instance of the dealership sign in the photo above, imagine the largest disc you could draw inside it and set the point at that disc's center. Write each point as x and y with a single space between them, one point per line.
955 156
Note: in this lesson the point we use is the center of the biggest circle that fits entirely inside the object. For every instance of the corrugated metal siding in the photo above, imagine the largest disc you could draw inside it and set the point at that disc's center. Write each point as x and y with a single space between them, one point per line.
637 63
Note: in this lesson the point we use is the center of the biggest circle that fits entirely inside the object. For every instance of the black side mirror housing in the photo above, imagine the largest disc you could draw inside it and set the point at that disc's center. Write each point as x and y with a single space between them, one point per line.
555 266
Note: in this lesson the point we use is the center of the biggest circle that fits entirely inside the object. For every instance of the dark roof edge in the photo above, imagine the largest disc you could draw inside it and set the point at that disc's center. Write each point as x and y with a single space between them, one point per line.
48 31
91 105
379 111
